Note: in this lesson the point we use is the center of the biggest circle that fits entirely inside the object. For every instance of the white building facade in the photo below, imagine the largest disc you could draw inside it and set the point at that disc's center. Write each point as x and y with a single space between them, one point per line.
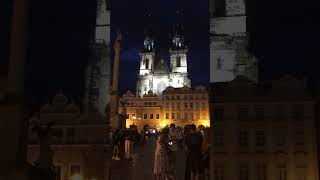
154 74
229 56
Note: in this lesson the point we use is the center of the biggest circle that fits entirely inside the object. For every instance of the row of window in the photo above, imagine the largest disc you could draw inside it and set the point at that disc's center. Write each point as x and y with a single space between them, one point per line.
179 97
186 105
260 172
259 113
185 116
173 116
260 138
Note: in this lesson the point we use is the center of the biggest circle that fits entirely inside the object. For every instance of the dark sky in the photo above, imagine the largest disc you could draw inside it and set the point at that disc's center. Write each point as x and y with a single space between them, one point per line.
284 36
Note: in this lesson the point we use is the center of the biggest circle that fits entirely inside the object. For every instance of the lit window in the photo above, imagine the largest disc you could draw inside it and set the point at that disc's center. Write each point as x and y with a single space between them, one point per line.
203 105
145 116
167 115
133 115
157 116
204 115
151 116
145 88
172 116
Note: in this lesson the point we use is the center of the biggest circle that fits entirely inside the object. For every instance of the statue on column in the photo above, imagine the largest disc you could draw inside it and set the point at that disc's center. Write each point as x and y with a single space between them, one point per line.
123 114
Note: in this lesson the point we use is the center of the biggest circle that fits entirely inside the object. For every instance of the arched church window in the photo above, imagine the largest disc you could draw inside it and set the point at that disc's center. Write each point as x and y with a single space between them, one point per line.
219 63
147 63
178 61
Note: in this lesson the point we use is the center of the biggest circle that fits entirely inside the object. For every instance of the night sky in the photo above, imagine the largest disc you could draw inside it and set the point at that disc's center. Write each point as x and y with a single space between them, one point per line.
284 36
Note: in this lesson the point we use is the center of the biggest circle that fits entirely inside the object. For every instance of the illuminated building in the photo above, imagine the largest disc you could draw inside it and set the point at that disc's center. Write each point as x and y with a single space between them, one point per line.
154 74
180 106
263 131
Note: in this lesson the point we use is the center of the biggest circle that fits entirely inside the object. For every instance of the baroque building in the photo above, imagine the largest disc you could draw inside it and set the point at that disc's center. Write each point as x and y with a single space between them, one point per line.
154 74
180 106
79 141
267 129
229 55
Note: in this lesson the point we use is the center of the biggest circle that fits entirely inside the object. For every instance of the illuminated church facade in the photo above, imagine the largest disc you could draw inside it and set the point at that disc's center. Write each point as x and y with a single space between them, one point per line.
154 74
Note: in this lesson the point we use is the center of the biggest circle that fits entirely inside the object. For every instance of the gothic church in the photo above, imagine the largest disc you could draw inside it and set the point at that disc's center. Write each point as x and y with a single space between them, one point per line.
154 74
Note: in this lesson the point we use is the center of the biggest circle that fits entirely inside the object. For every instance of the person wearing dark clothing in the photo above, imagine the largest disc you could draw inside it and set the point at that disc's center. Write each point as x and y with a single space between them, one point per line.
194 151
116 145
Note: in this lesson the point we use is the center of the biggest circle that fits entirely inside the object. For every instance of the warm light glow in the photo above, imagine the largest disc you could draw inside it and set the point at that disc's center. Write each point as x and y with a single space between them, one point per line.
205 122
76 177
129 123
164 123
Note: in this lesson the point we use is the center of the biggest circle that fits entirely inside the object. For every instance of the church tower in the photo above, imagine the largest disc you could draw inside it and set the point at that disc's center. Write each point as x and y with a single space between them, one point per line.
229 56
97 83
178 57
147 54
147 61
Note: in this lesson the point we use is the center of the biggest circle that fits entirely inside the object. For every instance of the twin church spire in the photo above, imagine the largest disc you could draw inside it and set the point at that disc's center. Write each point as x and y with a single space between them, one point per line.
177 37
154 74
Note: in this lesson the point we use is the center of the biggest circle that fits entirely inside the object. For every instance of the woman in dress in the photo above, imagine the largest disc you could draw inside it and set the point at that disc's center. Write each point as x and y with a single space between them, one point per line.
161 161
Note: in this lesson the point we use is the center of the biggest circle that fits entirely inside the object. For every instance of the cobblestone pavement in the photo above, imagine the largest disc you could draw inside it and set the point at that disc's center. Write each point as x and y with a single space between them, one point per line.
143 159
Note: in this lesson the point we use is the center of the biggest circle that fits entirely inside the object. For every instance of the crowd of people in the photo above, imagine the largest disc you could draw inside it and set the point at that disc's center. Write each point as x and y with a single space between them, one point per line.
169 140
195 143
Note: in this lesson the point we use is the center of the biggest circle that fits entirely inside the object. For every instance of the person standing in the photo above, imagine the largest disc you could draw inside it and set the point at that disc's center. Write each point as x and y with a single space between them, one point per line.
173 147
194 151
161 167
116 144
127 144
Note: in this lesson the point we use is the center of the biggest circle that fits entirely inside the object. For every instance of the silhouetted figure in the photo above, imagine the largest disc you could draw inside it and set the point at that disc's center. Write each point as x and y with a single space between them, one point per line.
194 152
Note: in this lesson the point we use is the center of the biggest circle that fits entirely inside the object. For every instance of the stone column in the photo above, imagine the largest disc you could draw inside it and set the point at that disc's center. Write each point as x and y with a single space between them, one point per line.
13 124
114 99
